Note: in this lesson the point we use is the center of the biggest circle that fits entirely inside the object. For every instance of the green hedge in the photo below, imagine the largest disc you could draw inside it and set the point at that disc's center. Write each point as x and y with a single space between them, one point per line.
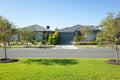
85 43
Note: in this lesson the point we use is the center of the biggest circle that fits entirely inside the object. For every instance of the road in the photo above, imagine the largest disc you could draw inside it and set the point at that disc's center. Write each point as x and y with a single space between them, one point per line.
59 53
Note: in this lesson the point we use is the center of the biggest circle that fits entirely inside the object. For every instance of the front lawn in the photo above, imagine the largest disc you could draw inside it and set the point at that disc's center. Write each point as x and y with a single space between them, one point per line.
59 69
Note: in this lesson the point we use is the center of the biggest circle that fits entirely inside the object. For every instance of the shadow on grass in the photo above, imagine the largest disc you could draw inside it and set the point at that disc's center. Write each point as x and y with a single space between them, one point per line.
48 62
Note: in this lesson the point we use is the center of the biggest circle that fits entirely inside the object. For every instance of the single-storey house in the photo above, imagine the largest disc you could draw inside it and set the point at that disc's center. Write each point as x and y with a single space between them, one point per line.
67 34
35 28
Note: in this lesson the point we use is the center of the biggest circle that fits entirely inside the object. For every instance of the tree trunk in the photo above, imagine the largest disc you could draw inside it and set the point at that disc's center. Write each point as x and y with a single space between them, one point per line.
5 49
27 43
9 42
117 56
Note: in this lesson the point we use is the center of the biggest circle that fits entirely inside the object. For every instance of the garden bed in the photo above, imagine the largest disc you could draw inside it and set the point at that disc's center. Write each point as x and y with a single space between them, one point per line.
7 60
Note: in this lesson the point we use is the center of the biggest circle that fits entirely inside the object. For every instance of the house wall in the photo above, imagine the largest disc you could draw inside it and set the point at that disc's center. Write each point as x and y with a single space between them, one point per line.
15 37
90 37
39 36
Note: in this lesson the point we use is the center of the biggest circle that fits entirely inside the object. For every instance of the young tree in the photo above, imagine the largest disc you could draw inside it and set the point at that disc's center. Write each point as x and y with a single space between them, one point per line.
6 29
100 38
85 31
46 36
26 34
111 30
50 39
54 38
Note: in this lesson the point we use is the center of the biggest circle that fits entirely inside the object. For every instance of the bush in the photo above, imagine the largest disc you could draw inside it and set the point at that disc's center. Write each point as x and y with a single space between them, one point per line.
14 43
21 42
43 42
53 38
78 38
33 42
92 43
46 36
50 39
85 43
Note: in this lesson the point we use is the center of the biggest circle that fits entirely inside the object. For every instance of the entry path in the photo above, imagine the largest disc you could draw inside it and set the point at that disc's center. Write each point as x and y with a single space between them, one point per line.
59 53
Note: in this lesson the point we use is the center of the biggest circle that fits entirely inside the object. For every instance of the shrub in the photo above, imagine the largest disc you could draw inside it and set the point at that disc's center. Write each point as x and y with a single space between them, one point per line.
43 42
50 39
85 43
78 38
21 42
53 38
33 42
92 43
46 36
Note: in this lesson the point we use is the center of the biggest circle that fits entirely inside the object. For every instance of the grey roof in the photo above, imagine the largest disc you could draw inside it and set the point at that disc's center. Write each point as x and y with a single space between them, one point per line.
37 28
75 28
70 29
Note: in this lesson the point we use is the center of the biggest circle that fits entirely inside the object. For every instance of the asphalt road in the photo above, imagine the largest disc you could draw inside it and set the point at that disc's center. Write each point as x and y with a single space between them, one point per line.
60 53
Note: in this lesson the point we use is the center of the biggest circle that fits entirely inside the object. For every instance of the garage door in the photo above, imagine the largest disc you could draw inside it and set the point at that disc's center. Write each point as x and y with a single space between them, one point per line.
66 38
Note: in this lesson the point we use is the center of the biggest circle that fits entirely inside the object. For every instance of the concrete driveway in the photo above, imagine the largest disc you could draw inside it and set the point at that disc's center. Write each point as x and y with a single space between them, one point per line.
60 53
65 47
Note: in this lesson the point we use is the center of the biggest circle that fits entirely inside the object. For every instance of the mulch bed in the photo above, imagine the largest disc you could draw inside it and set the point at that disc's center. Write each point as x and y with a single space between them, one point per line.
113 61
8 60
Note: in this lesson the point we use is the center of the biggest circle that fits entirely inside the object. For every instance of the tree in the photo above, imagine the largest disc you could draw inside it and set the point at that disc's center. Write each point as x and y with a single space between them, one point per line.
50 39
85 31
26 34
6 29
100 38
78 38
54 38
111 31
46 36
13 32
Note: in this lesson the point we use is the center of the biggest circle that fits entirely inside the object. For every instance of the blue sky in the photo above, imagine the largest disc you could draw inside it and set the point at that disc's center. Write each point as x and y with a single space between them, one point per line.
57 13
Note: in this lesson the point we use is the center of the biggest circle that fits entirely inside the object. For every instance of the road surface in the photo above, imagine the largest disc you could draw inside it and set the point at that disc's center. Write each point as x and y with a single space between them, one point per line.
59 53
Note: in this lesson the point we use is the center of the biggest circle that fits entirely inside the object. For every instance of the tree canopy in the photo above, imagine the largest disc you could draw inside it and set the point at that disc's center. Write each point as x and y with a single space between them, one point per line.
111 30
85 31
6 30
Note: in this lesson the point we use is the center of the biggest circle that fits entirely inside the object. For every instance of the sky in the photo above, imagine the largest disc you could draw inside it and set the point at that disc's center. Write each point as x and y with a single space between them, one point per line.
57 13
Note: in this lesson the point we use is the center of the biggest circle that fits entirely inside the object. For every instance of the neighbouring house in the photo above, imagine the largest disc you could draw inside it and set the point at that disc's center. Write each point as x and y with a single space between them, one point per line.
36 28
67 34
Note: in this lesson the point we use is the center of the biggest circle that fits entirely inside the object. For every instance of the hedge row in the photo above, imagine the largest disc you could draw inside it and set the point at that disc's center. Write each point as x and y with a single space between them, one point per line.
85 43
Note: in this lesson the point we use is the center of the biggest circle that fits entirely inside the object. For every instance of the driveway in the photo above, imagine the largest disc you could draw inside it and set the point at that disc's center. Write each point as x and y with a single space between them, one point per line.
60 53
64 47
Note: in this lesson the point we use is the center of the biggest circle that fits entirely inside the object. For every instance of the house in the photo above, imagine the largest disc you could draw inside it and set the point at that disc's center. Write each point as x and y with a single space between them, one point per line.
35 28
67 34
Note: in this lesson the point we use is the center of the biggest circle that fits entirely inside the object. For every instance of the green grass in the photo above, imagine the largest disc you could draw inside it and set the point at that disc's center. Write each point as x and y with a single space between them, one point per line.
31 46
88 46
59 69
93 46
